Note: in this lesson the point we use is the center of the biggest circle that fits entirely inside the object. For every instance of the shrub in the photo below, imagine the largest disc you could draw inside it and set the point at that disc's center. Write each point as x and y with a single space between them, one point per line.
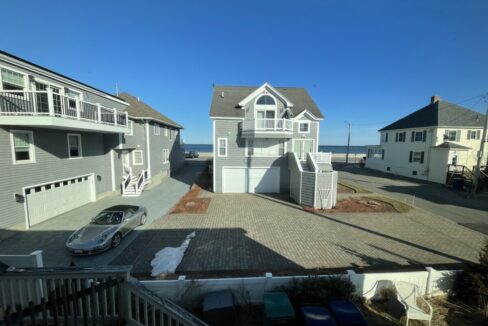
472 284
319 290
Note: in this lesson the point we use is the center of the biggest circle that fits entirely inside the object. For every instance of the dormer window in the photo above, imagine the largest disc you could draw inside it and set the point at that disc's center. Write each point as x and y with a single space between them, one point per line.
265 100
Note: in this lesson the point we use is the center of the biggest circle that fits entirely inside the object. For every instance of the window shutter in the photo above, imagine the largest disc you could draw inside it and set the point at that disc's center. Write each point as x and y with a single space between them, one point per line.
404 136
468 134
422 158
411 154
478 134
424 136
458 135
382 154
412 138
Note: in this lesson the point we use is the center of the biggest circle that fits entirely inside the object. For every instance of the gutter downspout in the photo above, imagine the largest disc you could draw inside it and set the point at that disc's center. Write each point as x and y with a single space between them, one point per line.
148 150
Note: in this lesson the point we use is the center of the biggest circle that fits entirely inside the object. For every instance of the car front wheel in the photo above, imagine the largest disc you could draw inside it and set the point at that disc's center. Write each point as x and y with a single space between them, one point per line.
143 219
116 240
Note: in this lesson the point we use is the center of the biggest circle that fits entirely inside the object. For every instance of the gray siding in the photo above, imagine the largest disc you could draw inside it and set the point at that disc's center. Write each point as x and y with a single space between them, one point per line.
236 155
52 163
312 134
136 142
295 179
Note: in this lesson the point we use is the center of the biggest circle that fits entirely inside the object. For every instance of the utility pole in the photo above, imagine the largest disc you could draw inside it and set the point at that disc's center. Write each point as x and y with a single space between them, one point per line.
482 147
348 141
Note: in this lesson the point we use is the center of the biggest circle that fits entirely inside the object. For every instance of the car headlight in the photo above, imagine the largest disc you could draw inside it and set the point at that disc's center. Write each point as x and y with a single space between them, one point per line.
73 236
102 238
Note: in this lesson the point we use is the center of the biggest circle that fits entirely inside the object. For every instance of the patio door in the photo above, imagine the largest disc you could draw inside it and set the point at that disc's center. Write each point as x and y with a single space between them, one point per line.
302 147
265 118
126 168
42 100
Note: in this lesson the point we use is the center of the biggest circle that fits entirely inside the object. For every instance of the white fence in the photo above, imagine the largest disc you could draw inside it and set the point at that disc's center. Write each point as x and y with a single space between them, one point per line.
252 289
34 259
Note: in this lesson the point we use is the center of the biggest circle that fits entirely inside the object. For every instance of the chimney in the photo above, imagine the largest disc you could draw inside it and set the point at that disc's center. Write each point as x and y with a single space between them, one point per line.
434 98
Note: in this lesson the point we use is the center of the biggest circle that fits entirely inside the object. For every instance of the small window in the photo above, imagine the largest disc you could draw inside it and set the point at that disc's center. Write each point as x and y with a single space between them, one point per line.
170 134
165 155
156 129
386 137
131 128
222 147
166 131
12 81
74 146
474 134
304 127
65 183
137 157
401 136
414 172
266 100
451 135
388 168
416 156
22 147
419 136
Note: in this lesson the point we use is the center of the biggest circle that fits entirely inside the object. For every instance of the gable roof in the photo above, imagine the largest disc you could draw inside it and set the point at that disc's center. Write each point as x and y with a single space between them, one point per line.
140 110
228 106
269 88
450 145
439 114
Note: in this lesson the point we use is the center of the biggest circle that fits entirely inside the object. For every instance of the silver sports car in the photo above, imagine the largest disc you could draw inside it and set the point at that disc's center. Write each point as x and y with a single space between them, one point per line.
106 230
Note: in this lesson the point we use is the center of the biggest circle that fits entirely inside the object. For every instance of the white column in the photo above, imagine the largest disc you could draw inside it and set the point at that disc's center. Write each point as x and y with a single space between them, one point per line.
78 108
115 117
99 109
50 101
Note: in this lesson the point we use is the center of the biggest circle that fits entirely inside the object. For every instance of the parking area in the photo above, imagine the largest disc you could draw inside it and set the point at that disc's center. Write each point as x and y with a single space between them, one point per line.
50 236
248 234
468 211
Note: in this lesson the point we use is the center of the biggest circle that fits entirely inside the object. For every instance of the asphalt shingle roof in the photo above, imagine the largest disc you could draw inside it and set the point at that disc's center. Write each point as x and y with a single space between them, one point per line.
139 109
439 114
227 106
450 145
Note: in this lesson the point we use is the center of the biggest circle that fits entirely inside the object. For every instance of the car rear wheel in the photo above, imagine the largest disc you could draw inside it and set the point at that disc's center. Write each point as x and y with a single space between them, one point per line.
116 240
143 219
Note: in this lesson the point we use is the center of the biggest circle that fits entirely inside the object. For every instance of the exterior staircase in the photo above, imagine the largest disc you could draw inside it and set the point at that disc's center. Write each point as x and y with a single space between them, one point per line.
133 186
305 166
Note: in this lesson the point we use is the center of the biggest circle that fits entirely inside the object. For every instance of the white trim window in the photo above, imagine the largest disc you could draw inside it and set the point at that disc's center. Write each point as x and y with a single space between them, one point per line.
165 155
474 134
74 146
265 147
166 131
12 80
137 157
222 147
131 128
22 145
156 130
304 127
171 134
452 135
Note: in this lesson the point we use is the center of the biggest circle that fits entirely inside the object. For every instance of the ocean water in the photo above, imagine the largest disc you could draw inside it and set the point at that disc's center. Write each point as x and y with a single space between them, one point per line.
208 148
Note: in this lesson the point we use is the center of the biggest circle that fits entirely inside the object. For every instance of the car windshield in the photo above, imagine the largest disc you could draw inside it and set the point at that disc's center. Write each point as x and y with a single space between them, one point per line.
108 218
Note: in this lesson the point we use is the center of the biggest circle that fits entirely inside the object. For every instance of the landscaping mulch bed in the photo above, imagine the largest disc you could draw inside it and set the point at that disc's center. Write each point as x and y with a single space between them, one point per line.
361 205
191 204
343 189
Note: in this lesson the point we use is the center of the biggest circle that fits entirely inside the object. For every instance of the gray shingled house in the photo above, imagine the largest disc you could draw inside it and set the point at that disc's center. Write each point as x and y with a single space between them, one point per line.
64 143
266 141
432 143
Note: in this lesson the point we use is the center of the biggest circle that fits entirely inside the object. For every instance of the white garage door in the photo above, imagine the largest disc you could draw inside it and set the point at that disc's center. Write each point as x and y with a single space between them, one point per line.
51 199
260 180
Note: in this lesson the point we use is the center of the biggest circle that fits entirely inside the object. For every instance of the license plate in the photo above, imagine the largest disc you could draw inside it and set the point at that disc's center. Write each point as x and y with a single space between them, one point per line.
78 251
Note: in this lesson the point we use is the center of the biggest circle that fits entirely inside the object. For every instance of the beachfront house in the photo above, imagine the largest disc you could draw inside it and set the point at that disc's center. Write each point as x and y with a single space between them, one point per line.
64 143
266 141
431 144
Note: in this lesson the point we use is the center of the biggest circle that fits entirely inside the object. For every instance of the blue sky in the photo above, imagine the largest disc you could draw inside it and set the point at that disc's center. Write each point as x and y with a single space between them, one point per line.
367 62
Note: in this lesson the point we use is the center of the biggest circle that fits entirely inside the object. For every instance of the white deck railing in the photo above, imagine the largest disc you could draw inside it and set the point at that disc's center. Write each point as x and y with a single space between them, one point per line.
321 157
48 103
267 125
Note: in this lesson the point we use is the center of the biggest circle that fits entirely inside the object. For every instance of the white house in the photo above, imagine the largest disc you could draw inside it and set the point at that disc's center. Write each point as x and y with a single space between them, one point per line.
427 143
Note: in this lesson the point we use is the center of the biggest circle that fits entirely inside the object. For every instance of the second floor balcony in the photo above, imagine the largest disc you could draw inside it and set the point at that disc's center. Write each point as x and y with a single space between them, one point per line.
48 109
267 128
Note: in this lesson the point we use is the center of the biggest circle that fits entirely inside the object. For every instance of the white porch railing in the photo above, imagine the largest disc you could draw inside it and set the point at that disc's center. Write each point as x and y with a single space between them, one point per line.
48 103
321 157
267 125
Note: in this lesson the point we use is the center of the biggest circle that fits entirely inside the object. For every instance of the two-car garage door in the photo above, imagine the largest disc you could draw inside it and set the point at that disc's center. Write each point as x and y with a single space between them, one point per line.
260 180
51 199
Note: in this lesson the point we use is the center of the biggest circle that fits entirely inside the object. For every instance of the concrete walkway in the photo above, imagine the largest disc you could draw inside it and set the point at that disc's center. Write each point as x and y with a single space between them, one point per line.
50 236
431 197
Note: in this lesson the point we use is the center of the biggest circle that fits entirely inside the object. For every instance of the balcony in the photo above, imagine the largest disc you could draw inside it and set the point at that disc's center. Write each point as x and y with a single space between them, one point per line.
52 110
267 128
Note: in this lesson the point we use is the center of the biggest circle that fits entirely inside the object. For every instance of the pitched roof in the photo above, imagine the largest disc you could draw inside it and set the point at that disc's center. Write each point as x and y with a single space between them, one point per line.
439 114
450 145
227 106
139 109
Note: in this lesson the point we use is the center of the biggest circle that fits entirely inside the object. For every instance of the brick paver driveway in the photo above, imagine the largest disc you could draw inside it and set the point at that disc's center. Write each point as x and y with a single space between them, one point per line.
245 234
50 236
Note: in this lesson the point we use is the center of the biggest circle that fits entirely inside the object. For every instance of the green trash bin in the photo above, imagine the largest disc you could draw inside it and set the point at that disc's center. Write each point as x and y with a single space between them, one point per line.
278 309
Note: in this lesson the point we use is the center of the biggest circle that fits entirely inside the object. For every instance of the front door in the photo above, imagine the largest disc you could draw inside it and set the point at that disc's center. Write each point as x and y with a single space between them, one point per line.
302 147
126 168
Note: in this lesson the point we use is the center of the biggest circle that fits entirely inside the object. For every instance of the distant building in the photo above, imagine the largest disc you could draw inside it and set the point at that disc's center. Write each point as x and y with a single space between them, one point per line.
427 143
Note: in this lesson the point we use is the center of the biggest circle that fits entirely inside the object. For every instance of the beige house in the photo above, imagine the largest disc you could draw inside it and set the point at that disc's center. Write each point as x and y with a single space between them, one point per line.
430 142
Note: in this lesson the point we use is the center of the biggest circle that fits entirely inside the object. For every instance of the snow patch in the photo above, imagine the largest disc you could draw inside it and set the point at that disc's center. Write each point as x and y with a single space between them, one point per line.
167 259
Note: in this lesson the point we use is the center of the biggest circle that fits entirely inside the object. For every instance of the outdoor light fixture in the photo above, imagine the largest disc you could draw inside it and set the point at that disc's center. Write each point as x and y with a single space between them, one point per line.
19 198
99 178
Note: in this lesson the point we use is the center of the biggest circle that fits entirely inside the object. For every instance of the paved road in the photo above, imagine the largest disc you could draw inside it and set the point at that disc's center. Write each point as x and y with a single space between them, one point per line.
50 236
434 198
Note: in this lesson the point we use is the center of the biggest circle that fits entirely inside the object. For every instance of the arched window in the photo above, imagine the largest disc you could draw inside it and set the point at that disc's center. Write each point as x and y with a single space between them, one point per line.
266 100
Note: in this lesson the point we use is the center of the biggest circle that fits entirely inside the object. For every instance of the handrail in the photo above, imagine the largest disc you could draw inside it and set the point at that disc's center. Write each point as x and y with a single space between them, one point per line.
126 182
311 158
322 157
268 124
140 182
49 103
